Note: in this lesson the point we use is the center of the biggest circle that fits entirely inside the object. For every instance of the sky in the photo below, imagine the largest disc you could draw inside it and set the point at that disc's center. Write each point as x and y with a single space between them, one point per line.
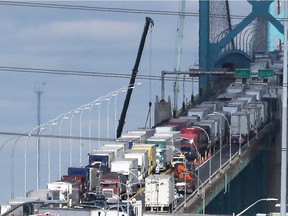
87 41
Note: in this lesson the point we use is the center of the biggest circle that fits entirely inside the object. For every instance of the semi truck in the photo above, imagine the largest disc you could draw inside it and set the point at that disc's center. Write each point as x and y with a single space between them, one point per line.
113 186
101 158
184 180
68 192
159 193
94 174
240 127
164 152
129 168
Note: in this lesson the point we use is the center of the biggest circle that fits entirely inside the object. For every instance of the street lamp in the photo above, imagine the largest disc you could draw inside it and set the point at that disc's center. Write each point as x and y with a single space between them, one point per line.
65 116
228 124
95 102
265 199
43 127
49 148
75 111
203 189
84 107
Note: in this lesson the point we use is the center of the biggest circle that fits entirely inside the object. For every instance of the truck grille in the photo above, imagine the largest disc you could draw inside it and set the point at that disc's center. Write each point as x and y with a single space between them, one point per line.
108 193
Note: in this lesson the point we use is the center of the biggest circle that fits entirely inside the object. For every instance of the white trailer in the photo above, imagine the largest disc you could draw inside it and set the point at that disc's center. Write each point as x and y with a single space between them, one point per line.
132 138
125 145
41 194
159 193
240 127
165 129
232 89
142 156
129 168
231 108
255 91
118 150
201 112
217 105
254 118
242 103
263 105
248 98
69 192
146 131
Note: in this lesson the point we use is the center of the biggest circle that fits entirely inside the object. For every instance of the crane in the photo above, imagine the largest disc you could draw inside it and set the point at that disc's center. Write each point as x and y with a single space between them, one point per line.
179 54
149 22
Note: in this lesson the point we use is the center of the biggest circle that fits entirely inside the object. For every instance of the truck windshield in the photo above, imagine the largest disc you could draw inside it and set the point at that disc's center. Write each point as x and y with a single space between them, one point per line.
108 184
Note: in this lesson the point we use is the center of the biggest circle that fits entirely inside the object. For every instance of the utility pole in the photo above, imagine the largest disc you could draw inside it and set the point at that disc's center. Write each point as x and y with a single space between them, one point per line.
38 90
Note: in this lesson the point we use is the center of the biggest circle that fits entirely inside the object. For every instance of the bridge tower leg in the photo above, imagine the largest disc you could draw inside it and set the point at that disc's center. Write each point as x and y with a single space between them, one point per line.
209 50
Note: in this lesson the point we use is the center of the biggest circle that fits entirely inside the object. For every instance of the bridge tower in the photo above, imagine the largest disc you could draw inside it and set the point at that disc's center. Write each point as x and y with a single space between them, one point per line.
211 46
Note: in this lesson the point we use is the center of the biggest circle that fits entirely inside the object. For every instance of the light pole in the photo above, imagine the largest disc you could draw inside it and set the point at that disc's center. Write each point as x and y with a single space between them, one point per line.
203 189
60 144
75 111
265 199
25 158
99 117
95 102
84 107
38 156
229 126
49 149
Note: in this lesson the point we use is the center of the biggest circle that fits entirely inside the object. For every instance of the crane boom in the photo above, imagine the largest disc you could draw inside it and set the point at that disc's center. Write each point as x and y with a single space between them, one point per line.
149 22
180 30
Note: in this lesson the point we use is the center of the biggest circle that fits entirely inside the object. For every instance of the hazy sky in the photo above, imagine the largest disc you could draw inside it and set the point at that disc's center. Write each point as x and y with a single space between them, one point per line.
88 41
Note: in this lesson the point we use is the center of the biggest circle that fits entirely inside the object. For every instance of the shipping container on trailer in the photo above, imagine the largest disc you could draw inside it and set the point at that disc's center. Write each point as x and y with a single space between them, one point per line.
151 148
